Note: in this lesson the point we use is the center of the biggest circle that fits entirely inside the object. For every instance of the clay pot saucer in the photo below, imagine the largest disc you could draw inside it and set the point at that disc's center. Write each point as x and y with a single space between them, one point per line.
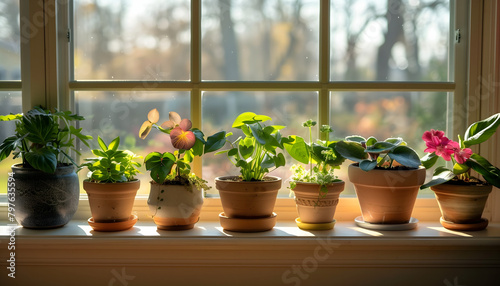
247 224
482 224
386 226
112 226
315 226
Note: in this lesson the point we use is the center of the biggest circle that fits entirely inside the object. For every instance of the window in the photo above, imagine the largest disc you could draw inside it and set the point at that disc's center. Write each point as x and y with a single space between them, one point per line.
261 56
10 74
384 68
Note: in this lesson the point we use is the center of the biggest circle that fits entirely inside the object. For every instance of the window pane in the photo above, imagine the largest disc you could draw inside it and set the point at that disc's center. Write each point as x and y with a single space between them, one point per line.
112 114
10 49
387 114
220 109
260 40
141 40
10 102
393 40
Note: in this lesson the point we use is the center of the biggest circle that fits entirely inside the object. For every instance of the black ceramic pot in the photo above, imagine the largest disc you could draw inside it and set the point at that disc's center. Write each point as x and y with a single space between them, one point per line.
45 200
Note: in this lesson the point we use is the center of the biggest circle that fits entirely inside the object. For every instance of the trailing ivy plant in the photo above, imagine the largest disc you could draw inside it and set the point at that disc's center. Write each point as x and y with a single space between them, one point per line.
320 156
112 165
371 153
256 153
43 139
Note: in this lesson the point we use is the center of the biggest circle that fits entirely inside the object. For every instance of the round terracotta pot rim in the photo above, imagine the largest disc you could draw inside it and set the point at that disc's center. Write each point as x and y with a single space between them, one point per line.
221 178
19 166
388 169
87 181
313 183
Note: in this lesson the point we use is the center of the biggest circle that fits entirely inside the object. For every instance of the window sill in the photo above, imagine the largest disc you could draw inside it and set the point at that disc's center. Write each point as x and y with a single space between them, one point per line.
284 255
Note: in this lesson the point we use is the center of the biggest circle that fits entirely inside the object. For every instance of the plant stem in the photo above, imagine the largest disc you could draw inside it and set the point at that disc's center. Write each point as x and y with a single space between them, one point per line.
310 152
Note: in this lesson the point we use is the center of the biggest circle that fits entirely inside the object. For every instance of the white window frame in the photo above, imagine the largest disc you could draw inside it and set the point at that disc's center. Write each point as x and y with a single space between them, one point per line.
55 89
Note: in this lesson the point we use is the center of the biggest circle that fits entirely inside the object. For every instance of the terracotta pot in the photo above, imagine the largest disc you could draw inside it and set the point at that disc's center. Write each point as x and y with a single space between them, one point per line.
248 199
45 200
462 204
111 202
386 196
312 208
175 207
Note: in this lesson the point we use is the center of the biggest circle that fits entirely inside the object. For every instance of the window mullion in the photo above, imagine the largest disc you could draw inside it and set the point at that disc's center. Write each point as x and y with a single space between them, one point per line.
324 64
196 74
32 54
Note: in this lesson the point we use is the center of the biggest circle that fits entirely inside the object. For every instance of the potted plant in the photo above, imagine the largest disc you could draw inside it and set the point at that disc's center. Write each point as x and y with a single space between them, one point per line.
316 190
176 195
47 188
386 176
462 197
248 199
111 186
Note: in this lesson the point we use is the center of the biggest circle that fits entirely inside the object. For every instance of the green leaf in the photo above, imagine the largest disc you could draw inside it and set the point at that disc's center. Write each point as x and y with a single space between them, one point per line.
102 144
298 149
380 147
351 150
78 134
460 168
441 175
355 138
429 160
199 135
42 159
11 117
371 141
160 165
114 144
405 156
41 129
249 118
489 172
267 162
215 142
279 160
9 145
259 133
245 147
367 165
395 141
482 130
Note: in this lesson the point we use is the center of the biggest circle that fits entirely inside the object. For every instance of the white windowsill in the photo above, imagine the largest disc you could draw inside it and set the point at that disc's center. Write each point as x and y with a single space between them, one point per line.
286 255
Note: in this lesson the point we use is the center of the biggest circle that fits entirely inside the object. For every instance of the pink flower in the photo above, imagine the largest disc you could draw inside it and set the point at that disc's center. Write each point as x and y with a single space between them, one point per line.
437 143
462 155
182 137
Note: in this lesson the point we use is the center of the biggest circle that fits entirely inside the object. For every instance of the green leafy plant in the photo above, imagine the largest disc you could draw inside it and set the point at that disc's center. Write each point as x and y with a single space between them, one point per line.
255 153
112 165
175 168
371 153
461 155
43 139
321 157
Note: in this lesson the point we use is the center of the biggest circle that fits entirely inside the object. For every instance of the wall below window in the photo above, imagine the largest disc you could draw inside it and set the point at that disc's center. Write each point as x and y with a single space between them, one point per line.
207 255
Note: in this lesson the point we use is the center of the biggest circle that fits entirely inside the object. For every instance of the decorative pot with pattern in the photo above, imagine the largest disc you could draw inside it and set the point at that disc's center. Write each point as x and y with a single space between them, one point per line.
313 207
44 200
